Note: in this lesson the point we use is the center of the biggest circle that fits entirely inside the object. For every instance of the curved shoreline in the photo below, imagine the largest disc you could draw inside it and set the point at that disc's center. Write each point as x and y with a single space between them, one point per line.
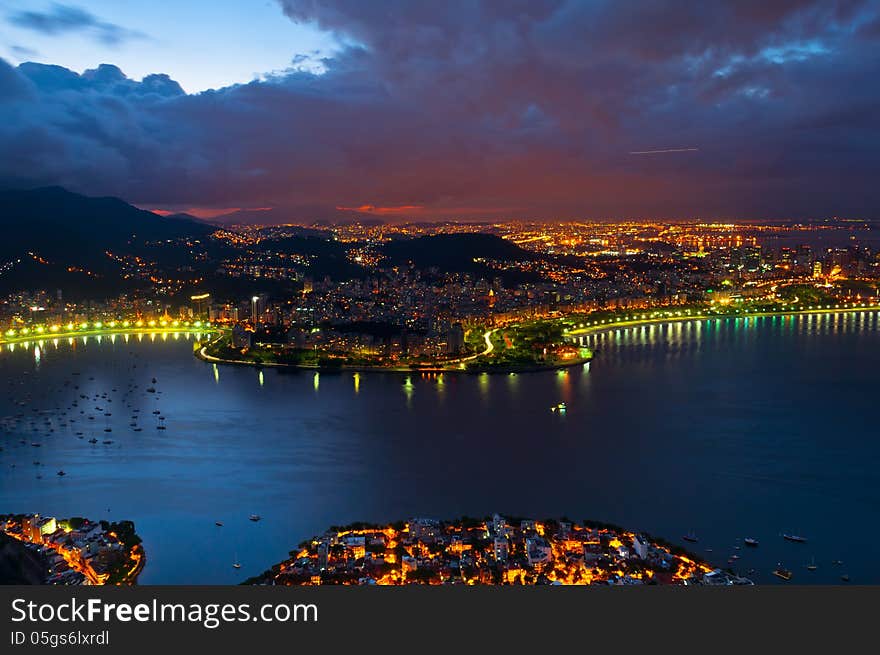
202 353
606 325
39 337
611 555
614 325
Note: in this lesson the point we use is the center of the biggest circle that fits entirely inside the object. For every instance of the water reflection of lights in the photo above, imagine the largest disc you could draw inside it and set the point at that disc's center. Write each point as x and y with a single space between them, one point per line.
408 390
55 342
483 381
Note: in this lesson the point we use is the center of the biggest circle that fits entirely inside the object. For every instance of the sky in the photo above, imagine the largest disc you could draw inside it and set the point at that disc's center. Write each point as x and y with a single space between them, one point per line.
300 110
202 44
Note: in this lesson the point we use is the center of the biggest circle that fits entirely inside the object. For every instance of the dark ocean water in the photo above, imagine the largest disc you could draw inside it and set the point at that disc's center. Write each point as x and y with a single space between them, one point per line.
724 429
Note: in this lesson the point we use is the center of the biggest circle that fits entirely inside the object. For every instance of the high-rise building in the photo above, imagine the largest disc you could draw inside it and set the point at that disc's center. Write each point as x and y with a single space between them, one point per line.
201 302
241 338
258 308
640 546
804 255
455 339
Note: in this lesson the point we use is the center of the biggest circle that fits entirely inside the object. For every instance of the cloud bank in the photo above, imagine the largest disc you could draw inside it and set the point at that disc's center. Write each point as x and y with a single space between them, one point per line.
466 109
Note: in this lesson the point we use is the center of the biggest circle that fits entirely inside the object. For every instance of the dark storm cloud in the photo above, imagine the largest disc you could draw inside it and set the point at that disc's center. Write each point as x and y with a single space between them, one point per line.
67 18
469 108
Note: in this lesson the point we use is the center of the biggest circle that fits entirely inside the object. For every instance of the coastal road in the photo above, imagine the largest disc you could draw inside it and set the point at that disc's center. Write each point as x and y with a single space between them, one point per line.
487 337
205 356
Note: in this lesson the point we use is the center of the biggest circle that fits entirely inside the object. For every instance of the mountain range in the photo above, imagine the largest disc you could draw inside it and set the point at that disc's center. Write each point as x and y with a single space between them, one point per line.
57 239
54 238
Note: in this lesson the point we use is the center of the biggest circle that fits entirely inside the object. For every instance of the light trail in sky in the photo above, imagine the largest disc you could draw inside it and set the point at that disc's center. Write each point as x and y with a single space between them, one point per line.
665 150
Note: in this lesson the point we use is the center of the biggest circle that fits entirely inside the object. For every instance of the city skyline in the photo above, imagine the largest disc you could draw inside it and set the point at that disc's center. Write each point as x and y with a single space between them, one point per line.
469 111
456 298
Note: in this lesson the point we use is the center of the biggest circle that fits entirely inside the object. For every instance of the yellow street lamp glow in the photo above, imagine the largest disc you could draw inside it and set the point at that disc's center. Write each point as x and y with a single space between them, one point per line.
112 324
99 325
10 333
55 328
41 329
163 323
140 323
25 331
175 323
152 323
84 326
124 323
70 326
198 324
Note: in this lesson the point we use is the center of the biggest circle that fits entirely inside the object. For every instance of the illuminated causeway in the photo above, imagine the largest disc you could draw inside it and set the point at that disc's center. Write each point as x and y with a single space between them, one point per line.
40 334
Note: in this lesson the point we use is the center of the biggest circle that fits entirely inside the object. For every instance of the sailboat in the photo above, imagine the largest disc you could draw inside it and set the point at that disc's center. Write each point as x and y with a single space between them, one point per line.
235 563
812 565
794 537
782 572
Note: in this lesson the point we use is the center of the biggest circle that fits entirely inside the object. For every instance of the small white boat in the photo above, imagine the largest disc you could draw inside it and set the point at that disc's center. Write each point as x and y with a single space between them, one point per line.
254 517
